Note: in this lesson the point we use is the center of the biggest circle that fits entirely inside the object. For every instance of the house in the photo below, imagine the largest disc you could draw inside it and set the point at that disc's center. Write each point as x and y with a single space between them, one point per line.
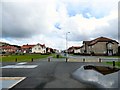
85 46
74 49
82 49
27 48
1 45
39 48
56 51
70 50
77 50
100 46
49 50
8 49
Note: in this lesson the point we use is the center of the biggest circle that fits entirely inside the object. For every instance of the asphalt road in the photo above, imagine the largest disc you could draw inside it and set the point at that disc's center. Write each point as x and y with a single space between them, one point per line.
54 74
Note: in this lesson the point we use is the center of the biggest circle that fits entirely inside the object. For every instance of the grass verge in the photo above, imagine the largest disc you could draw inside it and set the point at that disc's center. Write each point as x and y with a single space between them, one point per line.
21 58
116 63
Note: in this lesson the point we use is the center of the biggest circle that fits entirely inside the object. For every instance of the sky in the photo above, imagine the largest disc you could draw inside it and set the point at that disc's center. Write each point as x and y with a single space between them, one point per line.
48 21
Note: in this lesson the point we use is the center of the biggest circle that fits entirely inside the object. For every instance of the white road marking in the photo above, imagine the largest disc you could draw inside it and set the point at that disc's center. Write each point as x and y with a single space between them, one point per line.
21 63
20 66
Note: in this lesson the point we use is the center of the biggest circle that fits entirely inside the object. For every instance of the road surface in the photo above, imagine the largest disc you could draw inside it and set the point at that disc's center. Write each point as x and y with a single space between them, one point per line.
53 74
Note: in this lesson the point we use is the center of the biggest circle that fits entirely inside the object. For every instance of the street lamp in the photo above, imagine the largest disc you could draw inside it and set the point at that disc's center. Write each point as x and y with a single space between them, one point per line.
67 46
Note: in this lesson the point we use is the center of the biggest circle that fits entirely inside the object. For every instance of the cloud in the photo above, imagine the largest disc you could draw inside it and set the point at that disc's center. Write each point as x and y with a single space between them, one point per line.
24 20
48 21
96 8
82 28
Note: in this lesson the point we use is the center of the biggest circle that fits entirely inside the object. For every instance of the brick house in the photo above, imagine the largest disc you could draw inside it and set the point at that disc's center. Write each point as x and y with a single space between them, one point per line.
100 46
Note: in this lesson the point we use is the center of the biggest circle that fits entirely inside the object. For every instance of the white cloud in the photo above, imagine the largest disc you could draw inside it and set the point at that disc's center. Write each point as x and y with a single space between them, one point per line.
29 21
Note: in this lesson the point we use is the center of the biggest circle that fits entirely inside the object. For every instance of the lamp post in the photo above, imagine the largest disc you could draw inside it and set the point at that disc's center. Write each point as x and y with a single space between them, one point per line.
67 46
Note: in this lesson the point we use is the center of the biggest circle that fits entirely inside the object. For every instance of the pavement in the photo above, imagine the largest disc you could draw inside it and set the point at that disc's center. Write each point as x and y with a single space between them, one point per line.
53 74
78 58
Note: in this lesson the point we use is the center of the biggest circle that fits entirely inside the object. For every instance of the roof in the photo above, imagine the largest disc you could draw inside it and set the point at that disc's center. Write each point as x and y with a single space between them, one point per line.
74 47
8 47
41 45
27 46
87 42
100 39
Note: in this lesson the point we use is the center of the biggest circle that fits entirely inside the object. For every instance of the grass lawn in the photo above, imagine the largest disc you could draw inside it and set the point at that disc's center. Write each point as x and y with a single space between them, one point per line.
21 58
116 63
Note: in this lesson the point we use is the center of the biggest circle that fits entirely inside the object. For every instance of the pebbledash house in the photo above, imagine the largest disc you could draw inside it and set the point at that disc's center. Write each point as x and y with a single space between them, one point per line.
100 46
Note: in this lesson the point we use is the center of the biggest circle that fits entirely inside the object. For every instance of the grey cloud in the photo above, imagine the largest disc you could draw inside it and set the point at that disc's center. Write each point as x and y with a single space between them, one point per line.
20 20
15 33
111 30
77 36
